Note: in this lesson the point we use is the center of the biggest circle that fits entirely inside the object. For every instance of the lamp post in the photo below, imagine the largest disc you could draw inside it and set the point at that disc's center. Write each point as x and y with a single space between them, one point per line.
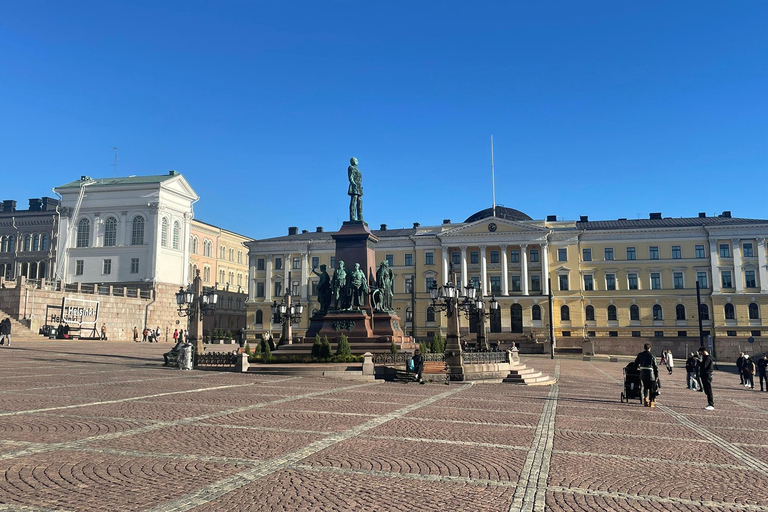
474 308
445 298
194 302
288 313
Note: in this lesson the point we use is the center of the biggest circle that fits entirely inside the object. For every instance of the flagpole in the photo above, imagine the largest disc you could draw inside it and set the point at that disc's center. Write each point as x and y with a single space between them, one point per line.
493 179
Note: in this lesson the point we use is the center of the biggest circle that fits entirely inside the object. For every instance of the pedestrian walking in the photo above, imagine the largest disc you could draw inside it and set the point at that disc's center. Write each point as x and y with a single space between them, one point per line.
749 372
418 365
135 334
762 371
104 332
5 332
691 365
175 335
649 372
181 335
740 367
241 337
670 362
706 366
144 335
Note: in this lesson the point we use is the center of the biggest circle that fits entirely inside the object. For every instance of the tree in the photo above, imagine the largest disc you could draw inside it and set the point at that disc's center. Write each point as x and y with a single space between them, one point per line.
342 347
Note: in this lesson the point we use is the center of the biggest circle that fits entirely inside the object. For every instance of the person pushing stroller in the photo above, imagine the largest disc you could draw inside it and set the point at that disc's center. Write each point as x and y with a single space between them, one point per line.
649 372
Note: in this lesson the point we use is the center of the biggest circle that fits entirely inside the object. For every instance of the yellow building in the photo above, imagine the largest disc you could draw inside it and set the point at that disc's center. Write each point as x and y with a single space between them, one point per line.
612 281
221 256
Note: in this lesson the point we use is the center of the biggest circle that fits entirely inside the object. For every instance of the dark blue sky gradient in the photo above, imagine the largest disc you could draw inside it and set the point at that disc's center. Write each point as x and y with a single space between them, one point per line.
607 109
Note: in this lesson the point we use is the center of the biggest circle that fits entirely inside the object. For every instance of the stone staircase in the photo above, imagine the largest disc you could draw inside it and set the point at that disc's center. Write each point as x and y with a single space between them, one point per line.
521 374
19 331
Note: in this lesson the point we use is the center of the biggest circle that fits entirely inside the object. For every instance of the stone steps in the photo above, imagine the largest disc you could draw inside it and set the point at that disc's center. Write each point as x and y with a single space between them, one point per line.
520 374
18 330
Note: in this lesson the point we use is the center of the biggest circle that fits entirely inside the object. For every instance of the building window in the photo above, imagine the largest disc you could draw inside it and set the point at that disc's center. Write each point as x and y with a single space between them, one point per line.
277 289
563 282
110 232
222 253
565 314
700 251
631 254
232 255
677 253
748 251
608 252
164 232
44 242
206 274
193 244
586 254
474 257
296 262
658 334
430 282
677 278
725 251
83 232
589 313
612 313
749 279
333 261
535 283
239 256
260 264
456 258
701 278
495 284
134 265
635 334
27 243
295 289
534 256
682 334
36 242
514 256
430 314
634 313
756 333
259 289
408 315
176 235
494 256
408 260
107 267
562 255
610 281
726 279
79 267
704 311
390 259
653 252
591 334
315 261
429 258
730 333
516 283
475 281
613 334
408 287
632 281
655 281
239 279
589 283
754 311
679 312
278 263
729 311
536 312
566 334
657 313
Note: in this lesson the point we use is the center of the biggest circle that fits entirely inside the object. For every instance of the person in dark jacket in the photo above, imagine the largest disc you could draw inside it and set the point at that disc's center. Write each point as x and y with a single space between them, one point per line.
418 365
5 332
749 372
241 338
649 372
740 367
762 371
691 366
706 368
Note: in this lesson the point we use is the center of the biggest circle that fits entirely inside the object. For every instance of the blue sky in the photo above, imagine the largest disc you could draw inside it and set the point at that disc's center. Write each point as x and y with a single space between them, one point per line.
607 109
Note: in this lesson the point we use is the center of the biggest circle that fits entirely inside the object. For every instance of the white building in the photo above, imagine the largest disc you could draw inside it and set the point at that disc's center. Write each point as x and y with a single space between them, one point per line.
132 229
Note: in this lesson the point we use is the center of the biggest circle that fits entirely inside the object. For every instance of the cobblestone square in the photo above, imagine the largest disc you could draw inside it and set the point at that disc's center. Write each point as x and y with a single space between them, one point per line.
97 426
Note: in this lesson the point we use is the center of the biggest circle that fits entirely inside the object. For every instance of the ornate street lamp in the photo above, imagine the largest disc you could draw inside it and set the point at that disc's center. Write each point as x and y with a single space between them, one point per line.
446 298
287 313
195 302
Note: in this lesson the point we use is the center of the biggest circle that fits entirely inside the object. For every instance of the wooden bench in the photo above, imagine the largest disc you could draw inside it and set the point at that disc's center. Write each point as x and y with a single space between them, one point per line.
430 368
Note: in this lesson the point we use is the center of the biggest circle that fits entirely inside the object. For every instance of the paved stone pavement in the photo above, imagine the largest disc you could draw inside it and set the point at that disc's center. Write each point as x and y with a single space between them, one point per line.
98 426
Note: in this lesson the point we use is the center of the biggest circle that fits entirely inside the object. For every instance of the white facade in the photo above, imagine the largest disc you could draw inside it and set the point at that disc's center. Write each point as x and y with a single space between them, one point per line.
126 230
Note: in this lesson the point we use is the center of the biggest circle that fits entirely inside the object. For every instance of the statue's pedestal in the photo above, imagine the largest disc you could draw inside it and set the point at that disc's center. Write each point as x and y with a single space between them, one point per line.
355 324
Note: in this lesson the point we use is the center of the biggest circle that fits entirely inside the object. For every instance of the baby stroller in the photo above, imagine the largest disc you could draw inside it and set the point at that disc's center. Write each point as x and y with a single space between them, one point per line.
631 383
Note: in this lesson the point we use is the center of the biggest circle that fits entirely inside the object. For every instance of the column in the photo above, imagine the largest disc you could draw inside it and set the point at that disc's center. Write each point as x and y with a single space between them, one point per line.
761 265
268 283
185 277
737 277
126 229
524 268
713 259
464 280
445 265
252 280
154 240
504 271
286 271
483 270
305 278
545 268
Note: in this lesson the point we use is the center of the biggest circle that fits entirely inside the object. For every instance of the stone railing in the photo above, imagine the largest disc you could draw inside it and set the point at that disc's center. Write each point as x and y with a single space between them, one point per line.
217 359
486 357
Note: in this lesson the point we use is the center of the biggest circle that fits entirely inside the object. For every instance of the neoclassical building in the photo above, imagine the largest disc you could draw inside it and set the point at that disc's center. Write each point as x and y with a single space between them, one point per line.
624 278
28 238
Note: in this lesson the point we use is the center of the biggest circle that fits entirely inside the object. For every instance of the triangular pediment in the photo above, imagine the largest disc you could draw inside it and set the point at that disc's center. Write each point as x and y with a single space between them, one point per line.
495 226
180 186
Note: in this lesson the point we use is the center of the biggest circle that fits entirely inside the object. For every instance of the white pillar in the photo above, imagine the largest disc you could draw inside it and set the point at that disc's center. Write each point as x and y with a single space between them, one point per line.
762 265
252 280
305 278
268 284
504 271
737 278
185 277
445 265
545 268
464 280
286 271
483 269
713 258
524 268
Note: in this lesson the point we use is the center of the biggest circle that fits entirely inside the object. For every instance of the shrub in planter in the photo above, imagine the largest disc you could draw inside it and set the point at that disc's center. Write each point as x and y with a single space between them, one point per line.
325 352
438 344
342 347
267 355
423 347
317 347
393 349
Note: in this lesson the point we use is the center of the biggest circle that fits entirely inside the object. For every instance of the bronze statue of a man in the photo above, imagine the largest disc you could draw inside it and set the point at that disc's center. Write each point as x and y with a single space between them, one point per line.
355 191
323 289
384 281
338 285
359 285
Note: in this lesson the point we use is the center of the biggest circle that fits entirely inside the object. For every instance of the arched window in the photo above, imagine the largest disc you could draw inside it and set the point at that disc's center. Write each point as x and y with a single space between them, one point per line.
536 312
164 233
239 279
754 311
657 314
259 317
239 256
137 231
612 313
730 313
44 242
4 244
221 277
110 232
565 314
222 253
176 233
679 312
194 244
231 255
24 269
41 270
11 246
634 312
27 243
207 248
231 279
83 232
33 270
36 242
704 311
430 314
589 313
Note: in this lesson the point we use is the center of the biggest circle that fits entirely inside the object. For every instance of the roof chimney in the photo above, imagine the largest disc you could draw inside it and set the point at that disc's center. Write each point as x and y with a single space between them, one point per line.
304 231
584 218
35 205
9 205
173 173
49 204
293 230
551 218
726 214
702 215
319 229
446 221
416 224
383 227
655 216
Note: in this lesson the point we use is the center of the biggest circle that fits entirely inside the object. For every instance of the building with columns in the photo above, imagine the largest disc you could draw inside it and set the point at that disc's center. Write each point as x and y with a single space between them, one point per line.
612 281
